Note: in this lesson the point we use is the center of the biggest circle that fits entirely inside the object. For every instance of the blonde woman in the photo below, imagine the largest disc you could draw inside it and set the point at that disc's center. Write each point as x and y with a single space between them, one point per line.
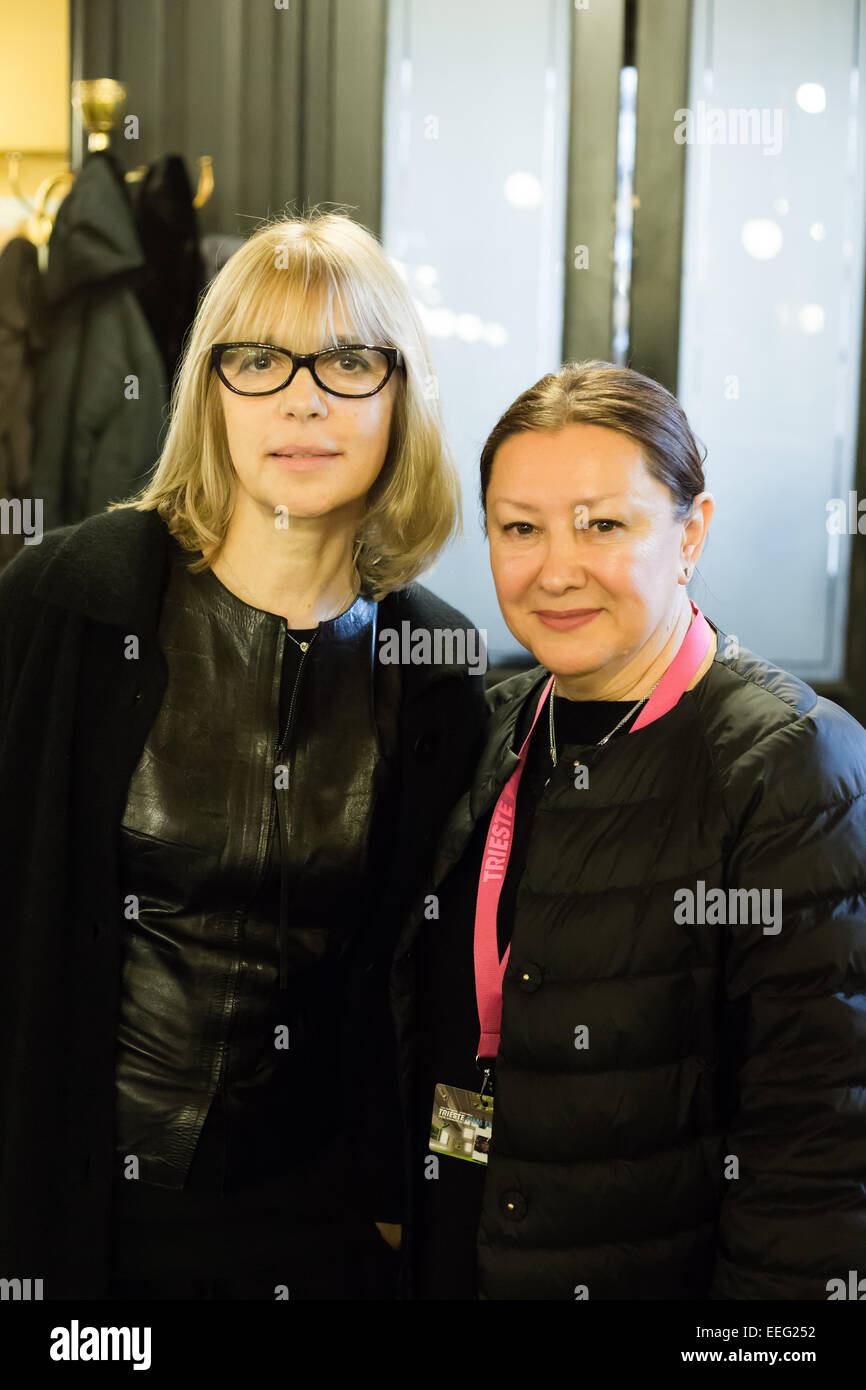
651 910
216 798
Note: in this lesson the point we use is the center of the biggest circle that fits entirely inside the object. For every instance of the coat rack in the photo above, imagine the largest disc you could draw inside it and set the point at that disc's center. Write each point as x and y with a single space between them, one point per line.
36 226
99 102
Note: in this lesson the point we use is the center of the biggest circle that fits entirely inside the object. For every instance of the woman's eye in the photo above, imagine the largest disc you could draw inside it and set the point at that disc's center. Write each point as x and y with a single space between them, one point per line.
525 528
259 360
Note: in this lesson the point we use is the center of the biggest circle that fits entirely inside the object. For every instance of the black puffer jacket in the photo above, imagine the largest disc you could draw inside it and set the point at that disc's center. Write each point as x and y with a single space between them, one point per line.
709 1140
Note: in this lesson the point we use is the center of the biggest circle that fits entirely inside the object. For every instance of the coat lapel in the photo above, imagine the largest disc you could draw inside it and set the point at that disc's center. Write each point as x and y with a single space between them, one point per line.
111 568
496 765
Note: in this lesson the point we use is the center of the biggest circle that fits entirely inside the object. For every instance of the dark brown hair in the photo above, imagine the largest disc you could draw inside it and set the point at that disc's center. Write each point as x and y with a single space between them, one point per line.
600 393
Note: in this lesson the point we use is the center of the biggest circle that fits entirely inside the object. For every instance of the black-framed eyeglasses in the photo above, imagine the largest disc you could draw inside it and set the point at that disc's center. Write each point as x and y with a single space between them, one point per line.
261 369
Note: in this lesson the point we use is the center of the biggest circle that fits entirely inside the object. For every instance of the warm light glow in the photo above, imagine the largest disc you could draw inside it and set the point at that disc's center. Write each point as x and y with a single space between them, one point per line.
762 238
522 190
495 334
811 317
469 327
811 97
34 81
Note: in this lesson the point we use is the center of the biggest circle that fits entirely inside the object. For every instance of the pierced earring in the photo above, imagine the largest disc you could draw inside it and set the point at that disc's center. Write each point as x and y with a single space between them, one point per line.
687 571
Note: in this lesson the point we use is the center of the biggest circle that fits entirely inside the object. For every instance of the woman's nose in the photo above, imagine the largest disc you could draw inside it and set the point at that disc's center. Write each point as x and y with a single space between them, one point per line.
563 565
303 398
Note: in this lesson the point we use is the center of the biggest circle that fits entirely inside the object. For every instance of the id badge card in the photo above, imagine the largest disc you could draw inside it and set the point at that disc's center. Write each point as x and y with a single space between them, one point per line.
462 1123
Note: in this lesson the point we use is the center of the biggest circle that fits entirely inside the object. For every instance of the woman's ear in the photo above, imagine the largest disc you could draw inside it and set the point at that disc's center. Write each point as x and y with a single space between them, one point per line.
696 527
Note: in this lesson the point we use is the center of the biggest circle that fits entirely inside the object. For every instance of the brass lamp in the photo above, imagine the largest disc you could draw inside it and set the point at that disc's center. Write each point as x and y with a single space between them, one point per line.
99 100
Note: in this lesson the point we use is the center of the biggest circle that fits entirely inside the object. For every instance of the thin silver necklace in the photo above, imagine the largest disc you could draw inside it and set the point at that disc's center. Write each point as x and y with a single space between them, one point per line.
617 726
601 740
304 646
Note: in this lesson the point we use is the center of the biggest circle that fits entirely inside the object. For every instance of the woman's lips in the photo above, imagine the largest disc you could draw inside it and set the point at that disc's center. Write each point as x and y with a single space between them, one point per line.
564 622
302 463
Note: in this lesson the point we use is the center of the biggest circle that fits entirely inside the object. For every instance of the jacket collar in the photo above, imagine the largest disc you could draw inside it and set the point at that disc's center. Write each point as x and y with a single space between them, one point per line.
496 764
506 703
113 568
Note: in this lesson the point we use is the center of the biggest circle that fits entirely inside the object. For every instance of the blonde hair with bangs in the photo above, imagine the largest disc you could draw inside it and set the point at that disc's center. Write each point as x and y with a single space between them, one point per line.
282 286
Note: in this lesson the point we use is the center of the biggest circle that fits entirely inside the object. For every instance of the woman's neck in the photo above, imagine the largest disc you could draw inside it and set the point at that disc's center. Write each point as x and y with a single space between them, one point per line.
304 571
636 679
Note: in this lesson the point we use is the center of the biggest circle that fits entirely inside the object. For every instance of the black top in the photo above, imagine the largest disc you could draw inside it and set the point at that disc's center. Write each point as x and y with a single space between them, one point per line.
206 1171
448 1008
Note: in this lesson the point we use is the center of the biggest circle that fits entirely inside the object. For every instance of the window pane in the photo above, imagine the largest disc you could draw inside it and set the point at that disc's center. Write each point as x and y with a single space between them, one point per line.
474 209
772 303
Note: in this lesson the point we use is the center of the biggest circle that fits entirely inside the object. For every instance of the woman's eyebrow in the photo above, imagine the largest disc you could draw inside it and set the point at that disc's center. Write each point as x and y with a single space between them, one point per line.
340 340
581 502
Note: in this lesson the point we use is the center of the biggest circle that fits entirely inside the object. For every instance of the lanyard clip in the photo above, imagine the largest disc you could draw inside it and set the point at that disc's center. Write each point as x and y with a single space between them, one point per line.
487 1083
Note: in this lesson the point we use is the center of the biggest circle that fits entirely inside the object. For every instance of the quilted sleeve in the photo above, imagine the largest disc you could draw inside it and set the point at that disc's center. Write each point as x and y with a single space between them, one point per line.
793 1210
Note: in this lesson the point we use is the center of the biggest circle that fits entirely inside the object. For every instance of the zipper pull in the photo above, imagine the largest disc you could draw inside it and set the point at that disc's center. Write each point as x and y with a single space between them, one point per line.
304 646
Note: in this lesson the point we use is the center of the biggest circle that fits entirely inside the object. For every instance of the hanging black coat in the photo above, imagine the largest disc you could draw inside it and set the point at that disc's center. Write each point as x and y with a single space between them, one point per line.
172 277
101 389
705 1137
21 340
72 726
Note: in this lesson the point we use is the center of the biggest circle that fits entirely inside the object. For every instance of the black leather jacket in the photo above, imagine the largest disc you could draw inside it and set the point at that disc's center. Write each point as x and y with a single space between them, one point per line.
67 610
248 843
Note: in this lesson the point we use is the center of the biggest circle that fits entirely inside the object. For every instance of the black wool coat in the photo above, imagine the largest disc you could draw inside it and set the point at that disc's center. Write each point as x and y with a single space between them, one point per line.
101 389
21 342
73 720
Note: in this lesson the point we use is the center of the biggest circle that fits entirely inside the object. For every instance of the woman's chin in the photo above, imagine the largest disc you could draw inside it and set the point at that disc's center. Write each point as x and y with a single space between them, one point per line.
559 654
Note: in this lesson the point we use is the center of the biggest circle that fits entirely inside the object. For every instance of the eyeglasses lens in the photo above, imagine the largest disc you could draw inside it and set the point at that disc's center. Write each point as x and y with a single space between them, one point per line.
350 371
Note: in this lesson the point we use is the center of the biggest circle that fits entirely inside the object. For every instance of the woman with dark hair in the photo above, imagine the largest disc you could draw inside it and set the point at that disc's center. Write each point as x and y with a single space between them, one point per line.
639 967
215 798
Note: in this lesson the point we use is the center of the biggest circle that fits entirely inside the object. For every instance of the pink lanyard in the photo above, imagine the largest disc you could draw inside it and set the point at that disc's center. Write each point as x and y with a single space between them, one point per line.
489 970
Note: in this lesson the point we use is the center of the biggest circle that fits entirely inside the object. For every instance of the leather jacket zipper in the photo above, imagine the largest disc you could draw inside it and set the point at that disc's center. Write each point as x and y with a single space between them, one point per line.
285 732
281 827
221 1087
221 1079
